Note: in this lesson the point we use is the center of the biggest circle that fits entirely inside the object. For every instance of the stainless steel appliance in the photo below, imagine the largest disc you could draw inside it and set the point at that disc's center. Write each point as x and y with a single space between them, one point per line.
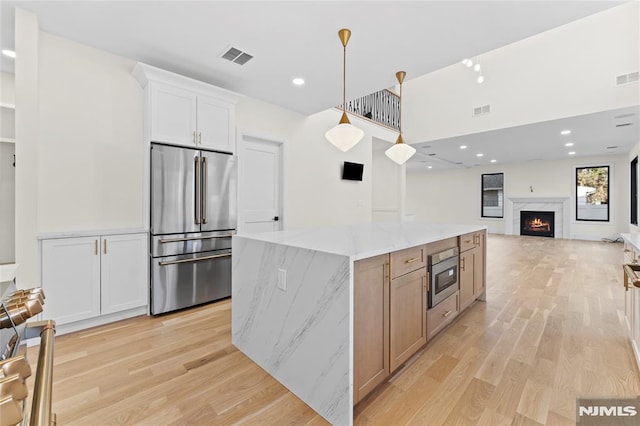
193 216
443 273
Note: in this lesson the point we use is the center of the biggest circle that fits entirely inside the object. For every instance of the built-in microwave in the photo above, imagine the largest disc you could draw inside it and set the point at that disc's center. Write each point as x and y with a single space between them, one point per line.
443 276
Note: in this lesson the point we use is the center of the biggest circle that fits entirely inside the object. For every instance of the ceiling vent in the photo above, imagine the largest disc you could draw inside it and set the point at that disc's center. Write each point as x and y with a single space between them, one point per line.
236 55
627 78
481 110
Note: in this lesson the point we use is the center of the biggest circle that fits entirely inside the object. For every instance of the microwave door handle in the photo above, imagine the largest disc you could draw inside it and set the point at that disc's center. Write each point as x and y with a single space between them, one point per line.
196 198
205 178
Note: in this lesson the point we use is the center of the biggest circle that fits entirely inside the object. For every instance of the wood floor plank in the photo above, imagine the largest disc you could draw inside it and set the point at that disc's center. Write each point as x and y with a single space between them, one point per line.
550 331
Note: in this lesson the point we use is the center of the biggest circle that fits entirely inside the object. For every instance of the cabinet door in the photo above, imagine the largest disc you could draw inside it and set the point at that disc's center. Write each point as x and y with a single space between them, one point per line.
466 278
479 276
124 272
407 321
370 325
173 115
215 124
71 278
628 309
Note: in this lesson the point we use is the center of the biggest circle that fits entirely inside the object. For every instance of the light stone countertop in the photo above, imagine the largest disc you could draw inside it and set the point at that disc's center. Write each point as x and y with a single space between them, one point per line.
364 240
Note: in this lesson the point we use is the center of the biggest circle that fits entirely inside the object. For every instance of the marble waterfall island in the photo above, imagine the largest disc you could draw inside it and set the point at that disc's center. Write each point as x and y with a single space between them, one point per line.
292 303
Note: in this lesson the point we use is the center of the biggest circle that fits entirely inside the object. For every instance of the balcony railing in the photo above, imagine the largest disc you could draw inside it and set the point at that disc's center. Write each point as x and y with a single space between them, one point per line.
381 107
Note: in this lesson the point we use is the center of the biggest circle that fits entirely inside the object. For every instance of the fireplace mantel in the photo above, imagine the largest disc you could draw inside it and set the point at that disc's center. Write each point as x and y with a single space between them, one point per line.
560 205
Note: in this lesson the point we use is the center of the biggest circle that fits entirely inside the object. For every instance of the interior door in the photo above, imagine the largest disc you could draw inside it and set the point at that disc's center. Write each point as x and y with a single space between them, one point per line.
261 186
173 187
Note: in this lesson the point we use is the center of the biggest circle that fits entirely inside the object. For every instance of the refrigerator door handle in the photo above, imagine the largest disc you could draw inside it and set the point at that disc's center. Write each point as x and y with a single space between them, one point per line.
197 200
205 178
196 259
178 240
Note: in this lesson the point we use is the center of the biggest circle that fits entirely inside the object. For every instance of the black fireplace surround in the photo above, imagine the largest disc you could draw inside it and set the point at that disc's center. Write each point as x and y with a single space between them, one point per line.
537 223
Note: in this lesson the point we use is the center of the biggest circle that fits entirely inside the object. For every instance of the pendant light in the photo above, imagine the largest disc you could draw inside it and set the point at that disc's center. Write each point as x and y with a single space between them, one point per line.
400 152
344 135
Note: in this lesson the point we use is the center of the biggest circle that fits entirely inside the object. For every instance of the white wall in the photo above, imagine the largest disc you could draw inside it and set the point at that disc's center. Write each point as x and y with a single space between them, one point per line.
7 203
27 132
317 195
635 152
563 72
91 133
453 195
387 189
7 89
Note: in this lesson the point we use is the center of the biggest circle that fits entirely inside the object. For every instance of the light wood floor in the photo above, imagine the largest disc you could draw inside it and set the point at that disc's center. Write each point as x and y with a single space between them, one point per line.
549 332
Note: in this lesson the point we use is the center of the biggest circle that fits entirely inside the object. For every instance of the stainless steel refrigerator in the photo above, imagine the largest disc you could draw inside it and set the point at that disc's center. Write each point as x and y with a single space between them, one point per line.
193 215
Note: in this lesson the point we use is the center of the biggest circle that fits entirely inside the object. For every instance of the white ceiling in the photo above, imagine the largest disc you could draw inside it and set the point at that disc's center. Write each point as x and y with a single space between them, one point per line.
603 133
299 39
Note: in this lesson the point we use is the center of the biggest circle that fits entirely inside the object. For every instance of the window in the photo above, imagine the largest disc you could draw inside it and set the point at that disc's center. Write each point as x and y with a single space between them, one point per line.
492 195
634 191
592 193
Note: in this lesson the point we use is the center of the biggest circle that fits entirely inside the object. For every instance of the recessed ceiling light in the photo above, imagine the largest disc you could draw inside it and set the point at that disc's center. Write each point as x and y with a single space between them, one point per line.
572 153
463 147
565 132
480 79
298 81
479 154
493 160
9 53
568 144
429 167
469 63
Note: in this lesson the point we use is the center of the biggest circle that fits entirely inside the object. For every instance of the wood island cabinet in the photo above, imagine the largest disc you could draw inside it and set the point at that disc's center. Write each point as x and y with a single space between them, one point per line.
407 316
371 324
471 276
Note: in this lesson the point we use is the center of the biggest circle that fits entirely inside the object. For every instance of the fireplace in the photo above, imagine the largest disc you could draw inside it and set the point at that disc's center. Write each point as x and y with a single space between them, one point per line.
537 223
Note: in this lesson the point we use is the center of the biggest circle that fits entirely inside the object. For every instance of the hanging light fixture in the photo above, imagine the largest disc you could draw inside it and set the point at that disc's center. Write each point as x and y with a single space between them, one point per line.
400 152
344 135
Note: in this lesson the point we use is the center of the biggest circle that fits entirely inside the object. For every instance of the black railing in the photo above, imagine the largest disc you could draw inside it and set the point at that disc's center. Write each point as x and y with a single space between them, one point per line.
382 107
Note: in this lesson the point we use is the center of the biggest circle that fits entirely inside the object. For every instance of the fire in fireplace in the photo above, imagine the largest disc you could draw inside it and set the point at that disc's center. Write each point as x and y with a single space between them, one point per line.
537 223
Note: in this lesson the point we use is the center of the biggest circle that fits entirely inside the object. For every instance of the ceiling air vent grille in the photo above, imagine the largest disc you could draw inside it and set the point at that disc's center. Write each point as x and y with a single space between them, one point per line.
236 55
627 78
481 110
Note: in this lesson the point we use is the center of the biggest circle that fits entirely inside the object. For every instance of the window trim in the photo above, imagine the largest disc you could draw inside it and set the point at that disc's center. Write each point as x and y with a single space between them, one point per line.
575 190
482 206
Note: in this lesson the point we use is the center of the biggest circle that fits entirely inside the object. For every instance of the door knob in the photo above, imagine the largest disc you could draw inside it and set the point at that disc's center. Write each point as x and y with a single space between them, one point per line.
275 218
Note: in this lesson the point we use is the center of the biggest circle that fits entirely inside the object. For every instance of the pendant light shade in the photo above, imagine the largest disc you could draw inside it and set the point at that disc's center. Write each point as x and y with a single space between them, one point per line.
400 152
344 135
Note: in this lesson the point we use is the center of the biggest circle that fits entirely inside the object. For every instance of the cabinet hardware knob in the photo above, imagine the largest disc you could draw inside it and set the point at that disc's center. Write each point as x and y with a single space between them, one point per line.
446 314
193 135
96 248
104 243
200 138
413 259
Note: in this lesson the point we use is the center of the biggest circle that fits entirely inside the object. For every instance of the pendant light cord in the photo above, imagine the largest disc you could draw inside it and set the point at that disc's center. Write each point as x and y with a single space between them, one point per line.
344 78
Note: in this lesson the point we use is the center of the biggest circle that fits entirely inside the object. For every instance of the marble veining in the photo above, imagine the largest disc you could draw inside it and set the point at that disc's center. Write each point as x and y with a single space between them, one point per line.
301 336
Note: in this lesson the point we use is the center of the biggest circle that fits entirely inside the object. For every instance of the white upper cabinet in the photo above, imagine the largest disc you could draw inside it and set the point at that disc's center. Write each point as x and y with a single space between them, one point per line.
183 111
215 124
173 115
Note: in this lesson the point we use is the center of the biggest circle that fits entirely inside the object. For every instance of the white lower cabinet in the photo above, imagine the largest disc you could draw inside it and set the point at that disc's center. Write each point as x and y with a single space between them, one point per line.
86 277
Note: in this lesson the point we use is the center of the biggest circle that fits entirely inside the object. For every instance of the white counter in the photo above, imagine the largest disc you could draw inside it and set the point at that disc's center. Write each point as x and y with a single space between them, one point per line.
367 240
303 335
